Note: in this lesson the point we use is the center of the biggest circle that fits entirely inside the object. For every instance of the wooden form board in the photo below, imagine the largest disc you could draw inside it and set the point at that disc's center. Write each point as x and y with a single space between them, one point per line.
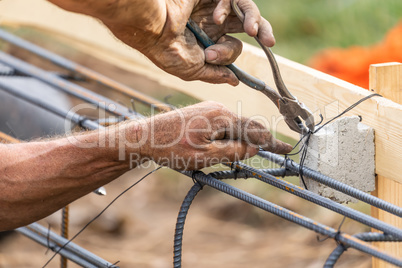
386 79
320 92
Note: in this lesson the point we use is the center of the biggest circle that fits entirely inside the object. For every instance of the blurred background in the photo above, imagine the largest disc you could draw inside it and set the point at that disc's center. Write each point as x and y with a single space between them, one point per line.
340 37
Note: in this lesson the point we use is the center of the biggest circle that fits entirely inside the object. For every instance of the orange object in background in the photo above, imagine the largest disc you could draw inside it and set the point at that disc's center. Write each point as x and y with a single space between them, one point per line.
352 64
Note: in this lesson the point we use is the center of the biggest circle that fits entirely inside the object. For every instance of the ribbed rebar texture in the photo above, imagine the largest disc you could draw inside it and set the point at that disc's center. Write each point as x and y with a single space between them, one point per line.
368 237
87 259
344 188
181 219
239 174
64 230
294 217
320 200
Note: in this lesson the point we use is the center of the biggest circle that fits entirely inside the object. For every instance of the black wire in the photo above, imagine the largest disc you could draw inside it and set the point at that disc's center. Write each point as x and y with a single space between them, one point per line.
348 109
100 213
336 238
301 148
303 158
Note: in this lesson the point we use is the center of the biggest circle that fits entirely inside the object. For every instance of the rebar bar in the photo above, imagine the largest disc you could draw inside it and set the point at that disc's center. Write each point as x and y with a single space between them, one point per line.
181 219
66 86
64 230
54 242
233 174
72 116
344 188
320 200
77 68
77 254
293 217
368 237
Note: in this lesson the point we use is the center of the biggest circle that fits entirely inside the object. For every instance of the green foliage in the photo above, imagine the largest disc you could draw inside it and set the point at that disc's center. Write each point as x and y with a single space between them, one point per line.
303 28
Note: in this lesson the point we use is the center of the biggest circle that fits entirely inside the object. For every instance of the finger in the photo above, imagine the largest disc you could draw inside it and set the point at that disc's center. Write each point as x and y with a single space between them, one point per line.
196 68
252 17
224 52
222 151
215 74
265 33
231 150
254 134
221 11
255 25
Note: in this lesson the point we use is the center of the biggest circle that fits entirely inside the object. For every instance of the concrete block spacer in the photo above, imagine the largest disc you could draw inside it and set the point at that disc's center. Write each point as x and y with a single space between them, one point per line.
343 150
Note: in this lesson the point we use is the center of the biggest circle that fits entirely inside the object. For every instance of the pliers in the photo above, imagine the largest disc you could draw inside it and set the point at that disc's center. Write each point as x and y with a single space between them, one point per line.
288 105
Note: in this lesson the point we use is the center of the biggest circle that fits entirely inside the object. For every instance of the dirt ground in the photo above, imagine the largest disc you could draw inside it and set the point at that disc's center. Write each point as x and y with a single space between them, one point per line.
220 231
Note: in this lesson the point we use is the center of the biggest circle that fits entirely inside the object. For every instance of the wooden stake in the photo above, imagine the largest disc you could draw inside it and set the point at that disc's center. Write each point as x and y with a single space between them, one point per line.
386 79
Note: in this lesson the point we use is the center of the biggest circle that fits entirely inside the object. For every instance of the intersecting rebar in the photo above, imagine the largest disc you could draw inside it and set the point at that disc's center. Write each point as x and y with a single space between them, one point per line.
368 237
84 258
293 217
337 185
71 251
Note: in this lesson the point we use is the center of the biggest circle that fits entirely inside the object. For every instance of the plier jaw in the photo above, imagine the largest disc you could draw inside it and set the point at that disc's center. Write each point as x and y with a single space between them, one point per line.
294 113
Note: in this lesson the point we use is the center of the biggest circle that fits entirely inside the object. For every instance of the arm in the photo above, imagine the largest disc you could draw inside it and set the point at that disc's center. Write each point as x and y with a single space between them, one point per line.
157 28
38 178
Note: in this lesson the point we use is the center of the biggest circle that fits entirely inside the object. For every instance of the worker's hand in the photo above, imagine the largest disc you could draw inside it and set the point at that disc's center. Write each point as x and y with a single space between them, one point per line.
160 33
202 135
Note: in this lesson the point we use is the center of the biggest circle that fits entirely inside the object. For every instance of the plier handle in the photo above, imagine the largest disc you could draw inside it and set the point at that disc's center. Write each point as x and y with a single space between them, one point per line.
287 104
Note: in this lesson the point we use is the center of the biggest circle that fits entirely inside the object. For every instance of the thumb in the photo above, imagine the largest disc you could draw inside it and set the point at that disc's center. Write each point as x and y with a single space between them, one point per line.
224 52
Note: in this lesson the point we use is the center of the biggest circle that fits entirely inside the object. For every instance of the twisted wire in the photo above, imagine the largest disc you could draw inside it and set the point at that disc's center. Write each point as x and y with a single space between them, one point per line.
337 185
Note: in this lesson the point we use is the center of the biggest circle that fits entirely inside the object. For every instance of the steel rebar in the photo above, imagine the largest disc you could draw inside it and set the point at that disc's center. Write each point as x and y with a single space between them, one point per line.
344 188
320 200
181 219
368 237
68 87
293 217
233 174
73 117
64 230
77 68
54 242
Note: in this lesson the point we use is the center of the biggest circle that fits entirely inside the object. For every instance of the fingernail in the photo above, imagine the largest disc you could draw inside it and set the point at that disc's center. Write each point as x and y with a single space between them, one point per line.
233 82
284 148
222 18
210 55
255 27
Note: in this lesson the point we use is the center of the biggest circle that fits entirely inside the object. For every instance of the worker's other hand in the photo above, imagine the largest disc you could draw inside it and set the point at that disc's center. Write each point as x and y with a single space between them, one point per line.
157 28
202 135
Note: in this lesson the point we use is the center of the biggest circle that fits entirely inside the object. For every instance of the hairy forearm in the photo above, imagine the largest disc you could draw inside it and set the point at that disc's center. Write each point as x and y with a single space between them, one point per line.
38 178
